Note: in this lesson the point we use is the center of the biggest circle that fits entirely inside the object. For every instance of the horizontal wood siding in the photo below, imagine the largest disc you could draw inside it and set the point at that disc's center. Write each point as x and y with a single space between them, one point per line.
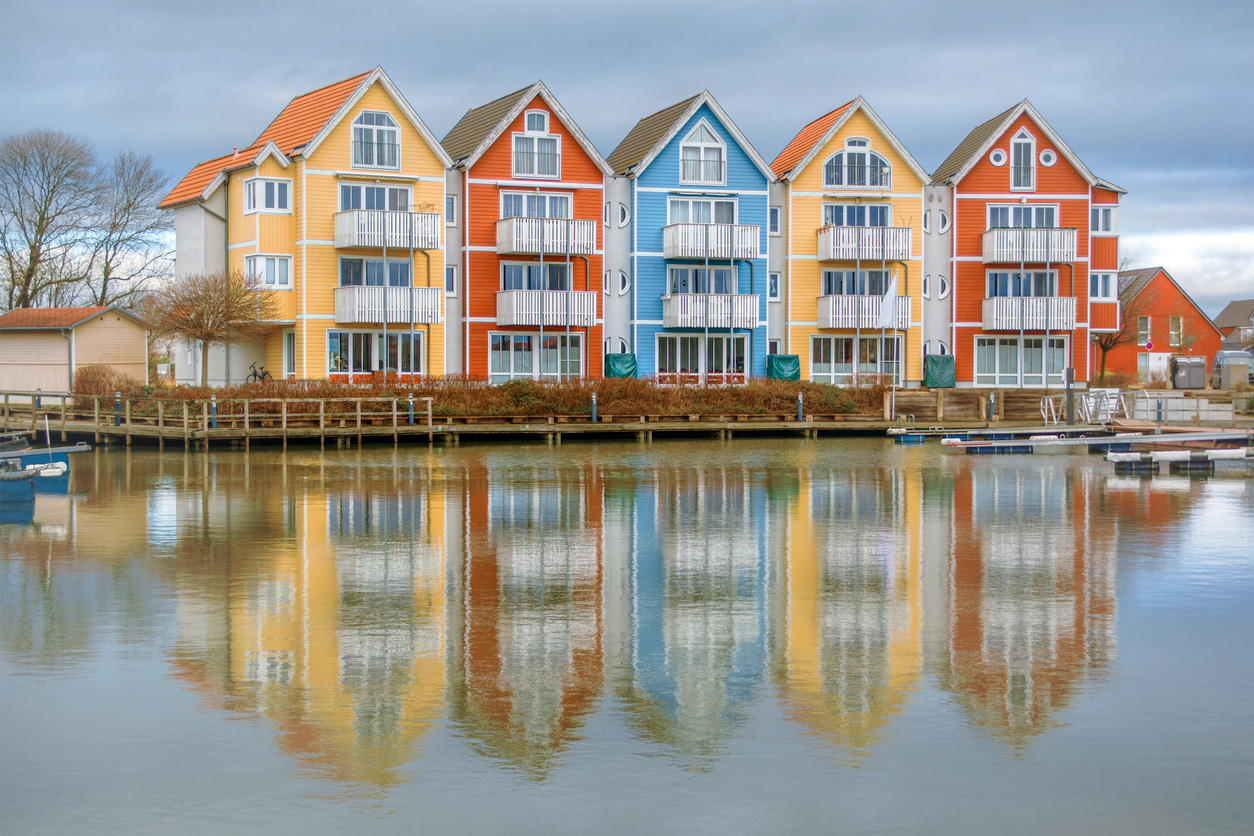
1105 253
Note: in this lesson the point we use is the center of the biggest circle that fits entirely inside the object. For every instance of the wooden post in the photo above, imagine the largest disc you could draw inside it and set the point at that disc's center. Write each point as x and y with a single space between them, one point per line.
322 423
128 422
888 407
204 417
160 425
283 410
95 417
6 411
394 439
940 404
186 427
63 408
359 422
247 427
430 434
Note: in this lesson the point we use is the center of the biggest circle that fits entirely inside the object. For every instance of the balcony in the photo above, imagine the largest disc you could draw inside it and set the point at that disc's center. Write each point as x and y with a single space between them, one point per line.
710 310
723 241
393 305
546 307
545 236
844 311
1012 246
871 243
376 229
1029 313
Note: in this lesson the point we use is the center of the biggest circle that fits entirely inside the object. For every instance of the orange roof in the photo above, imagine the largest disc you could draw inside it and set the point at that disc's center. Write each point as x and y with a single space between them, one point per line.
805 140
48 317
293 128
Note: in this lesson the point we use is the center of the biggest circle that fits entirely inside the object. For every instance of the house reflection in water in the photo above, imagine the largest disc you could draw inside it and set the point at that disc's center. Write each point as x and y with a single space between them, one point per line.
334 632
528 665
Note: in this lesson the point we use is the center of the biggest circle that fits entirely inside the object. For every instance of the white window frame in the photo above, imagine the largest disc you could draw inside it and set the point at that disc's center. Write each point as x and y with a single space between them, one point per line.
534 137
1175 331
703 373
543 129
1023 138
774 346
527 265
450 270
773 281
536 372
360 140
450 210
702 147
693 200
1103 219
836 378
1111 290
256 265
360 188
1011 207
711 274
857 145
1143 335
378 350
847 205
289 353
339 272
569 196
1019 377
1050 280
775 217
254 185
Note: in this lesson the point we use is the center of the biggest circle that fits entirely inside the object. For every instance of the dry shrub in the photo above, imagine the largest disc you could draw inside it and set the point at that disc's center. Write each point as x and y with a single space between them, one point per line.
1158 381
103 380
1118 380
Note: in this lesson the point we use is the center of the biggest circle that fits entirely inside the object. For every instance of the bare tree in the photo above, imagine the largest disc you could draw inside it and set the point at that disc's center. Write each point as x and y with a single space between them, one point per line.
1130 313
130 235
211 308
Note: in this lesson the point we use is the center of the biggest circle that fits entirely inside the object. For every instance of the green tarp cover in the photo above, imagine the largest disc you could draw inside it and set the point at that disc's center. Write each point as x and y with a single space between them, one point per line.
783 367
938 371
620 365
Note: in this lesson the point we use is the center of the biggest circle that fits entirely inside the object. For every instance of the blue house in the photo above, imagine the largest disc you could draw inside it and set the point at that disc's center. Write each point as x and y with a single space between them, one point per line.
697 250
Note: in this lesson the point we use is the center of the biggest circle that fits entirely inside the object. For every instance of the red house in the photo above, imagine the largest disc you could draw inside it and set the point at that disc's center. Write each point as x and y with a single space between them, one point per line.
530 187
1159 320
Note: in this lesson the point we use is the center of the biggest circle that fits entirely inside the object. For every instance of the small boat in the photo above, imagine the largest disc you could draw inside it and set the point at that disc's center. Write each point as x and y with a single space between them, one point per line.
18 485
14 441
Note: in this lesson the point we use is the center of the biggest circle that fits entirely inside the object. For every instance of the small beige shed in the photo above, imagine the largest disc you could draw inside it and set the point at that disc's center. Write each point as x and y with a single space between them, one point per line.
41 348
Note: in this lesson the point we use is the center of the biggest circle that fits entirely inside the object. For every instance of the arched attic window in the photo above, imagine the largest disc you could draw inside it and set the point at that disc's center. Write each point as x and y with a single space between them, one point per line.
702 157
376 141
857 166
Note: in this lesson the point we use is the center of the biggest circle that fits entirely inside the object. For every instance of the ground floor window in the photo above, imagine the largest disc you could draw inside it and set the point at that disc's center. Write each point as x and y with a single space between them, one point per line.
530 356
832 359
289 354
1011 361
717 359
365 352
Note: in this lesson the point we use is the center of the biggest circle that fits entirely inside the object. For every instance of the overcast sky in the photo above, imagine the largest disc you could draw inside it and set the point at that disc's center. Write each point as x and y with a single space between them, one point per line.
1156 97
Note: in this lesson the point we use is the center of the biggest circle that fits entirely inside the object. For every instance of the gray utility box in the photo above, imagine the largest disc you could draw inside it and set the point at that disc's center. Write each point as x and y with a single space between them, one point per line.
1233 372
1188 372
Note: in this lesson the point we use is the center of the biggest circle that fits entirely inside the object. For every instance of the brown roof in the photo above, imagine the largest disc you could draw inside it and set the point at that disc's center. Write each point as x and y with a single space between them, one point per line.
1132 282
969 146
805 140
1235 313
30 318
292 129
473 128
646 134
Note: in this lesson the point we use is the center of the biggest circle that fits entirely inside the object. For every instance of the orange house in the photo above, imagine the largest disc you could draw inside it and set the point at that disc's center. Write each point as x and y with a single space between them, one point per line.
1033 254
1160 320
530 187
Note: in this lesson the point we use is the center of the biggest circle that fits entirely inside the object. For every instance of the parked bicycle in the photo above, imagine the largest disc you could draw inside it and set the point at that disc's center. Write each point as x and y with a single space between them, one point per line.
258 375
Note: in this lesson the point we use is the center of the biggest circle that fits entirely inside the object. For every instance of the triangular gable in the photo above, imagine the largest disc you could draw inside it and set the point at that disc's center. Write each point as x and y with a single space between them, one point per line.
957 165
271 150
33 319
835 121
1141 279
523 100
695 103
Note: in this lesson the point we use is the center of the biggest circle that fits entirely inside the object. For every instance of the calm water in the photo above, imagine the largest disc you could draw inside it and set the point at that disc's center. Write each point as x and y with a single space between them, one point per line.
694 637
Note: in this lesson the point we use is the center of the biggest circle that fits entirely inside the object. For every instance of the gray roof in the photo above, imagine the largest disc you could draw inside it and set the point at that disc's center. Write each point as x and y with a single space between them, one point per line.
969 146
1132 282
1236 313
478 122
646 134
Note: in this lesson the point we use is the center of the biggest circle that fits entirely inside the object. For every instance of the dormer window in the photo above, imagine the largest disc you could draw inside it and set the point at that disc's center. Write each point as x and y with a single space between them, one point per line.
536 153
268 196
702 157
1023 162
857 167
376 141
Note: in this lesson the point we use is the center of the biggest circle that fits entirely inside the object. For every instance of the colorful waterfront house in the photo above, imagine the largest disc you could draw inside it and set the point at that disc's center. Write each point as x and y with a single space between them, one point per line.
1025 268
1165 322
847 285
1236 322
694 291
336 208
524 209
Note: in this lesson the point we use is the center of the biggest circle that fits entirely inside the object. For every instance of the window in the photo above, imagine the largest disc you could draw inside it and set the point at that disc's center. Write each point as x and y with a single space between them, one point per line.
683 358
533 205
289 354
536 154
1022 162
944 222
373 273
1142 330
832 358
1102 286
534 276
937 347
927 288
1175 330
274 271
350 352
855 214
773 346
624 283
1006 283
1102 219
1007 361
698 280
701 157
363 352
944 287
857 166
774 220
450 280
388 198
512 356
376 141
624 215
855 283
772 286
684 210
1017 216
450 210
267 196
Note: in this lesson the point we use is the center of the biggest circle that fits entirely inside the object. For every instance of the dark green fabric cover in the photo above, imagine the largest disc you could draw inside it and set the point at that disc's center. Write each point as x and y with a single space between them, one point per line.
783 367
620 365
938 371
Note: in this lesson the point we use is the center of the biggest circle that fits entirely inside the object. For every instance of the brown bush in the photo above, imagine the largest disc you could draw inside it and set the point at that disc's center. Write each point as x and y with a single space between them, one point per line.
103 380
1158 381
1118 380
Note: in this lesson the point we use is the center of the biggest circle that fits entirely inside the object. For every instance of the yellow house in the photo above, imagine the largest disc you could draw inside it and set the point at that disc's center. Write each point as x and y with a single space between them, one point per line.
850 200
337 207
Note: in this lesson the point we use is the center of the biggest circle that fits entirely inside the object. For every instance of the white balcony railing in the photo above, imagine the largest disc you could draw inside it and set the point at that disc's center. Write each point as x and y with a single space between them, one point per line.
550 236
710 310
1029 313
1009 246
546 307
710 241
849 243
377 228
860 312
393 305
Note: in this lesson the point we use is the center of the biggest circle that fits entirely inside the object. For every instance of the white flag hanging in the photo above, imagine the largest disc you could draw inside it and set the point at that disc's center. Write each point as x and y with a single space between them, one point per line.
888 305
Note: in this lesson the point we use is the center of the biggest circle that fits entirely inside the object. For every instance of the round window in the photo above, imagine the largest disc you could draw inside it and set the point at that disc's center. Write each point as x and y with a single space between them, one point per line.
998 157
926 225
944 288
927 287
624 283
624 215
605 282
944 223
1048 157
